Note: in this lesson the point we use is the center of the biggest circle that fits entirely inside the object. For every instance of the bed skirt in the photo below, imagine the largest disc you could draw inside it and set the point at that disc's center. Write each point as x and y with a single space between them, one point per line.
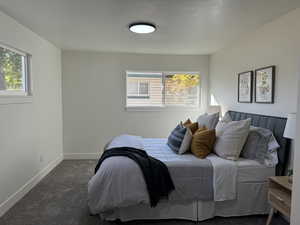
251 200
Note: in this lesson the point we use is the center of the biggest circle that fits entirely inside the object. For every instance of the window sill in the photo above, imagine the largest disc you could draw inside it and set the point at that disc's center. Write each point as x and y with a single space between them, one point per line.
162 108
15 99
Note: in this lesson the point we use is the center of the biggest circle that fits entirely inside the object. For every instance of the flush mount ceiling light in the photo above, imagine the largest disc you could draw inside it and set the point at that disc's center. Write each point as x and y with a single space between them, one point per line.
142 28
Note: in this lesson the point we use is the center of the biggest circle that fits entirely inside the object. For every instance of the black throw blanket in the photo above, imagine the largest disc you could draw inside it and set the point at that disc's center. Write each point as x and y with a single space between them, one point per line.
156 174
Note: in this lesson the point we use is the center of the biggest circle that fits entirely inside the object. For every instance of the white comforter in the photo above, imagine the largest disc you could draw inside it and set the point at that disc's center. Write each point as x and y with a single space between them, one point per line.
224 175
225 171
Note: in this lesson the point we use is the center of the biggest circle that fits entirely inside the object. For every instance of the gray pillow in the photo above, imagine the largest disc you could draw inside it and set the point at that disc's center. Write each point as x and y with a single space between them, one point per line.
209 121
226 118
256 146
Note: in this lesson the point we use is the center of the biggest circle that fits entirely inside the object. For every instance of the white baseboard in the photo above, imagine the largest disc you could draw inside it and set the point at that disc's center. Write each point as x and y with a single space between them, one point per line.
14 198
69 156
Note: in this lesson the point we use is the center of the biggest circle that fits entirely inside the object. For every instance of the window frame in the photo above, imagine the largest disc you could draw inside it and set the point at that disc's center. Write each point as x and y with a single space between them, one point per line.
148 89
139 95
164 106
19 96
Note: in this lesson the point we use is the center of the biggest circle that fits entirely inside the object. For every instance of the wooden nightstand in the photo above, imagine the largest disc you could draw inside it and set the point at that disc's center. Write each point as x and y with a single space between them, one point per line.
280 191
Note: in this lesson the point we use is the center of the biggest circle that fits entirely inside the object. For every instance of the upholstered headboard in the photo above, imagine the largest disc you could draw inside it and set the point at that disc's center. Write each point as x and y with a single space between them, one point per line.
277 126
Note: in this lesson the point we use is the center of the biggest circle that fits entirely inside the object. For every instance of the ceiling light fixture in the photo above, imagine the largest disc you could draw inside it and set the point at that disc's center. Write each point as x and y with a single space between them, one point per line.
142 28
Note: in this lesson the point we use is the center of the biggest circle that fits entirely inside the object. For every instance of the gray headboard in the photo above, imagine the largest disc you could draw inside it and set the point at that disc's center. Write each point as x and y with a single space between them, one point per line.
277 126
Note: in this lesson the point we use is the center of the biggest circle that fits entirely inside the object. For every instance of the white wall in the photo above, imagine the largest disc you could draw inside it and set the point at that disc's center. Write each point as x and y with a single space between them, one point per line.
295 217
276 43
30 133
94 98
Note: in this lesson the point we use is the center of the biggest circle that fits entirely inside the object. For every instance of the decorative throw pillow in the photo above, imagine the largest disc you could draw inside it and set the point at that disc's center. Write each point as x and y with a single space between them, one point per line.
192 126
186 142
201 129
231 137
256 146
180 139
203 142
187 122
209 121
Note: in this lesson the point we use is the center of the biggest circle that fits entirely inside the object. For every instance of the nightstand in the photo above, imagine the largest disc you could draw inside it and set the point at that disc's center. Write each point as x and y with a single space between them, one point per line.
280 191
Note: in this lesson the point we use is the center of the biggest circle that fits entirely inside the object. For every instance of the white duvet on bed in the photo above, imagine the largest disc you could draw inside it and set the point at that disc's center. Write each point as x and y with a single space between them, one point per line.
112 187
225 171
225 178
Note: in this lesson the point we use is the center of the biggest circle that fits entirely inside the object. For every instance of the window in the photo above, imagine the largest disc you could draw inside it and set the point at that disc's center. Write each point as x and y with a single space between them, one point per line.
144 88
14 72
182 89
138 89
162 89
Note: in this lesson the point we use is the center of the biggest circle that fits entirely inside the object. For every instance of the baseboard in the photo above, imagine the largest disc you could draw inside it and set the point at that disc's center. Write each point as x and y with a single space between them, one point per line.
70 156
14 198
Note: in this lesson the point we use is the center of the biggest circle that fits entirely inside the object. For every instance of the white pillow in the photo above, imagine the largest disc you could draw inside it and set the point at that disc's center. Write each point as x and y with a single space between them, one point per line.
208 120
180 139
186 142
231 137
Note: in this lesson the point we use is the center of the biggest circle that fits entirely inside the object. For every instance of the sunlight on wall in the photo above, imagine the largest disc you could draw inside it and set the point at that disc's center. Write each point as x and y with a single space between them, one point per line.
214 106
213 100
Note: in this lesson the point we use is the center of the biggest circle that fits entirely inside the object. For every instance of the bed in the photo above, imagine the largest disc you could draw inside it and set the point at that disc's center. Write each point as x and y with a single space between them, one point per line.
249 179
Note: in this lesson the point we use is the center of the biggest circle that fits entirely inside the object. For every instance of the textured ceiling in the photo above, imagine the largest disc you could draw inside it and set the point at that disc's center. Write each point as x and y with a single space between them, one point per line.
184 26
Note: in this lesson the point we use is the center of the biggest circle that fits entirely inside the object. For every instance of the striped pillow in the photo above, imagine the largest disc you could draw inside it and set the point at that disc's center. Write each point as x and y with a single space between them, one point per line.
177 137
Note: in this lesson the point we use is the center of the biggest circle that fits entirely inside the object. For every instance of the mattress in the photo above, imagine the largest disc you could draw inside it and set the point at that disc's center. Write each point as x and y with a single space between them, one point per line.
247 170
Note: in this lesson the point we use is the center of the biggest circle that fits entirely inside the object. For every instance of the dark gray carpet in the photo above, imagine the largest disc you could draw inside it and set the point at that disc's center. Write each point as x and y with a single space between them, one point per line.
60 199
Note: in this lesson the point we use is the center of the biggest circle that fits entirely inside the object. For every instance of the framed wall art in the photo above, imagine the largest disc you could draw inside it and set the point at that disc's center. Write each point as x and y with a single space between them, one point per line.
245 80
264 85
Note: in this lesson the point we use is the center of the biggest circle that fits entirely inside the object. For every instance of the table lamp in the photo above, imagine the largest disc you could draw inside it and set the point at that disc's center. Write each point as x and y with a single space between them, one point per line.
290 132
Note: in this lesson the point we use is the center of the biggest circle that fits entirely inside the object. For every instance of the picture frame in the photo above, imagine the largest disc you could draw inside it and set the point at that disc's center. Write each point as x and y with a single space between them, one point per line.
245 87
265 85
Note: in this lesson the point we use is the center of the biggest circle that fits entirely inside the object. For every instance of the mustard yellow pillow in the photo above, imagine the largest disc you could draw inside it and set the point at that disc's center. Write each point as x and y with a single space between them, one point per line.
201 129
187 122
203 142
192 126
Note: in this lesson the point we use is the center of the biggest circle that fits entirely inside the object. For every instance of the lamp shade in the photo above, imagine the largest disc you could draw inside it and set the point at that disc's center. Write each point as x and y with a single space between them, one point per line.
290 127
